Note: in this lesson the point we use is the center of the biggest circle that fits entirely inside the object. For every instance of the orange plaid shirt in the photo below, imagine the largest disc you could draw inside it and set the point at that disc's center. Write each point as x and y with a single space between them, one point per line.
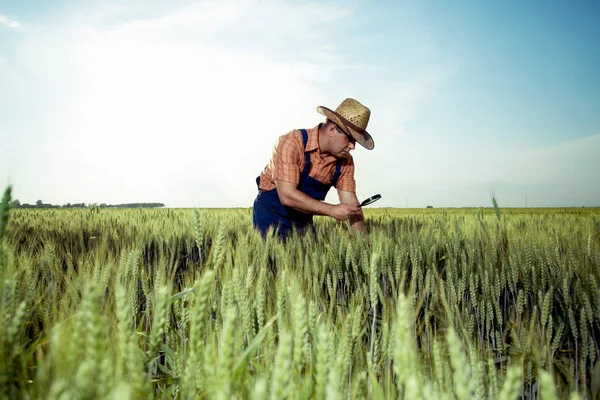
287 162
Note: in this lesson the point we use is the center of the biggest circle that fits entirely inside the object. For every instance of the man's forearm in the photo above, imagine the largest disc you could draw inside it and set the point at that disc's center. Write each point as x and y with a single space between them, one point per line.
358 222
302 202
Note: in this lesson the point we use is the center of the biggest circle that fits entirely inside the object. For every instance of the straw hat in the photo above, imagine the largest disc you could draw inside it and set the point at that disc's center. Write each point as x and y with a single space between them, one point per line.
352 117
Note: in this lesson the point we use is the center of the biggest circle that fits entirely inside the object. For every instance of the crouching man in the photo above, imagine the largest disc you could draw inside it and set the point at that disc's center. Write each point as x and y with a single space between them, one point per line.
305 164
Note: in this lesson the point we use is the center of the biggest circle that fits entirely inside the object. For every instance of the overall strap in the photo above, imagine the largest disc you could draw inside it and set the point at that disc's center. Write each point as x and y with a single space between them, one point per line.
338 172
307 164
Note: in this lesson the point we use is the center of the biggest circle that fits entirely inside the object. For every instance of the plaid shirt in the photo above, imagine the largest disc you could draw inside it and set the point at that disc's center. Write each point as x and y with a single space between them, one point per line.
287 162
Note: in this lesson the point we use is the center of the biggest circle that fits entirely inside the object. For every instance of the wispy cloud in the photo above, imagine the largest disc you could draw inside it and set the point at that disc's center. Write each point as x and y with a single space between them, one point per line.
181 87
121 90
569 161
11 23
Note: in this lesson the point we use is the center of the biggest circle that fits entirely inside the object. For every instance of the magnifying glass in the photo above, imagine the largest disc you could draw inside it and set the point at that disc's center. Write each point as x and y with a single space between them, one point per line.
370 200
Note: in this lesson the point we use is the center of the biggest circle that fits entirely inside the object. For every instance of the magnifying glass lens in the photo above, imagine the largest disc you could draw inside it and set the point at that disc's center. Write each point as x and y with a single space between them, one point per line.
370 200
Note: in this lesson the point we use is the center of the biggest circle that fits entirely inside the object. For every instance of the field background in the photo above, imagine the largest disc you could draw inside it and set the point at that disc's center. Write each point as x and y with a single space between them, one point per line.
164 303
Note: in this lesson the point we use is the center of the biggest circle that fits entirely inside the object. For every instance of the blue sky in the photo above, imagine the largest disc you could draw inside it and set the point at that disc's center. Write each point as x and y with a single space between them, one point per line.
181 103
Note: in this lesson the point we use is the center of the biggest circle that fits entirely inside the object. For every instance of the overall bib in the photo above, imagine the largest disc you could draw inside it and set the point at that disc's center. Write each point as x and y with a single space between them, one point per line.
268 210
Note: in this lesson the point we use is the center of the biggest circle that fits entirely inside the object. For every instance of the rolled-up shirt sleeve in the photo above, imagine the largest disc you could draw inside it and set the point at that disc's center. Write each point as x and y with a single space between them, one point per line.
347 183
286 167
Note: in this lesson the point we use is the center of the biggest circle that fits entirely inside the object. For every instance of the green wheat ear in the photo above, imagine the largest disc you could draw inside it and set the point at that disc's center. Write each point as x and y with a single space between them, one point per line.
547 388
4 207
496 208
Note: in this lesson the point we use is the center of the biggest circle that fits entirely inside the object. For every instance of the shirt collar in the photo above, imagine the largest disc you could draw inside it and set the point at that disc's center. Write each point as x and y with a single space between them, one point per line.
313 139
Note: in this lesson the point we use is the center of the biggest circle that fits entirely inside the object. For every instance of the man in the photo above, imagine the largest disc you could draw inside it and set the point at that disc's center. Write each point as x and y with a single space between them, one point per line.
305 164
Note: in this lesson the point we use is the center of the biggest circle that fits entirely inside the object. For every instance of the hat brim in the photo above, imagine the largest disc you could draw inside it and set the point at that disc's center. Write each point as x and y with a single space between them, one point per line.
362 136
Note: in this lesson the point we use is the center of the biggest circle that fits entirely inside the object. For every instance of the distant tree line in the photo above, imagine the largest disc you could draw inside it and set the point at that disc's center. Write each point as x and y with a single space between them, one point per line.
40 204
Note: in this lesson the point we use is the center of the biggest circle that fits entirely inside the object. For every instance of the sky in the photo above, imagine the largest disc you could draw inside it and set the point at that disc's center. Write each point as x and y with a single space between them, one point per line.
181 102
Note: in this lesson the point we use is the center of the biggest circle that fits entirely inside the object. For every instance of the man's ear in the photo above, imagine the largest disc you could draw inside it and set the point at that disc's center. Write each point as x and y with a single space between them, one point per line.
331 129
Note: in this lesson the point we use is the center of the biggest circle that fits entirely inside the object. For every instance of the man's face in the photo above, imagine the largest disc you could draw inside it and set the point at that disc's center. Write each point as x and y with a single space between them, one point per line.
341 143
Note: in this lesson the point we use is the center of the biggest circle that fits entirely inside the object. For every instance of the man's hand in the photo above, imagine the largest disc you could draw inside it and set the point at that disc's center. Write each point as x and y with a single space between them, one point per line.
357 219
343 211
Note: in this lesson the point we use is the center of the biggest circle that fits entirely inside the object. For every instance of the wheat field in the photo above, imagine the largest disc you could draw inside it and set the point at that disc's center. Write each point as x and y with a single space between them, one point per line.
487 303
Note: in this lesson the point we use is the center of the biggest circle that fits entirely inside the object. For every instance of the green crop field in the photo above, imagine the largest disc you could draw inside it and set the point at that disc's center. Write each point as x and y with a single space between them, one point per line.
193 304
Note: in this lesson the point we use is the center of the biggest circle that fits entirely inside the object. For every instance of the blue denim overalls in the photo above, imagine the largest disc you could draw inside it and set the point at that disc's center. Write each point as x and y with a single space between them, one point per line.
268 210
